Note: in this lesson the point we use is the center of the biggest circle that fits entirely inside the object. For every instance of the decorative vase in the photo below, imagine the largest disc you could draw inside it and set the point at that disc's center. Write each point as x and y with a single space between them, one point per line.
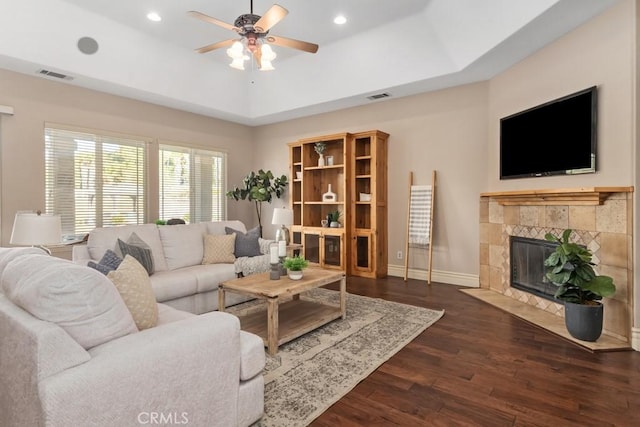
334 224
295 275
321 160
329 196
583 321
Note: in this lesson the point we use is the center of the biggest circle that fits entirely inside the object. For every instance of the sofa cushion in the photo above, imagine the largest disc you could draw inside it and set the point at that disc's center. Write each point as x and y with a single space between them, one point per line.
219 249
182 244
103 238
168 314
132 281
252 358
80 300
109 262
218 227
137 248
246 243
208 277
9 254
171 284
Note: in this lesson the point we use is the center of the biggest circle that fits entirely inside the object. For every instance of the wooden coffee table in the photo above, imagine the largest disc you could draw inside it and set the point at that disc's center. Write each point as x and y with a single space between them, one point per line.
287 318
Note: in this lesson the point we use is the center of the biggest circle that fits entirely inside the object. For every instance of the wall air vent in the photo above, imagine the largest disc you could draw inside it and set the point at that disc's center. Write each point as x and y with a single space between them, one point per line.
378 96
54 74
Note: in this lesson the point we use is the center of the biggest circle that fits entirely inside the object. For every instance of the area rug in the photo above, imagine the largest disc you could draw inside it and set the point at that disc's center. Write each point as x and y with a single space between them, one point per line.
311 373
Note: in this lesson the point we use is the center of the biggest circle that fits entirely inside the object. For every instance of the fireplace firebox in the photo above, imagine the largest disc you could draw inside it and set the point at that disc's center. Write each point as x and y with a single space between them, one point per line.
527 265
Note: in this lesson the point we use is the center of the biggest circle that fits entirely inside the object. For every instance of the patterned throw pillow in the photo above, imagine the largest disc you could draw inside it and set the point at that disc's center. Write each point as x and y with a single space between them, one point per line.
219 249
133 284
137 248
246 244
109 262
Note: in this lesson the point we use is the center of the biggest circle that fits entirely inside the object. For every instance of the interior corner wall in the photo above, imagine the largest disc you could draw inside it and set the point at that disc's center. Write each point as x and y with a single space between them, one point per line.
443 130
37 100
601 52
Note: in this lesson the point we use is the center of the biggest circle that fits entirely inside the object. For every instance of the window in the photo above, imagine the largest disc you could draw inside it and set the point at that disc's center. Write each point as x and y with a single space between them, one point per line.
93 180
192 184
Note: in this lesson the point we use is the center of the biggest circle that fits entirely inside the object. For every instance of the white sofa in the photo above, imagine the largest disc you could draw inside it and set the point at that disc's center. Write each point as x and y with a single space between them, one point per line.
179 279
71 355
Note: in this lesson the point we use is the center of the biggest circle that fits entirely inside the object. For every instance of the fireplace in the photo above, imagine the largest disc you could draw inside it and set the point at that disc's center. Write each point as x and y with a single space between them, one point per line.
601 218
527 265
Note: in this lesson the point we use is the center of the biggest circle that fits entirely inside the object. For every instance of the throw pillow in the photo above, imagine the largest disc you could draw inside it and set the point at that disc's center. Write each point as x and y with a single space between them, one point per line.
246 244
109 262
219 249
80 300
137 248
133 284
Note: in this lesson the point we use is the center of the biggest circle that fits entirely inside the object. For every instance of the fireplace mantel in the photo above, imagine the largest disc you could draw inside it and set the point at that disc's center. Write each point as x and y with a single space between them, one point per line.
556 196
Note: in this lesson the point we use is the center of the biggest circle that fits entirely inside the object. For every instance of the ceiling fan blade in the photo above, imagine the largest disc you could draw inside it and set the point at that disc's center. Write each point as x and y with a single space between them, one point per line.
293 43
257 54
214 46
270 18
207 18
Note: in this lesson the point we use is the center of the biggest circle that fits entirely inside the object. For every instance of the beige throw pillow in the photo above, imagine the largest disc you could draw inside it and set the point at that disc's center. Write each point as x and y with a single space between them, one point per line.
219 249
132 281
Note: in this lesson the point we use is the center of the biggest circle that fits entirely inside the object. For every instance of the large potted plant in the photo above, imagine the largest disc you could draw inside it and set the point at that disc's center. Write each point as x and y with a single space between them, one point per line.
259 187
570 268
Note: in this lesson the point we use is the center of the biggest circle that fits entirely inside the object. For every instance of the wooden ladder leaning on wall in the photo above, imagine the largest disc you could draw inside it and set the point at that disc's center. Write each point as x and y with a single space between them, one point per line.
420 211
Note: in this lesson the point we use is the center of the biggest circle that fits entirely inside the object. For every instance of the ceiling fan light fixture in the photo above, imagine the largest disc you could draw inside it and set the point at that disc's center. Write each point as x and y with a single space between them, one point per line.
266 66
237 63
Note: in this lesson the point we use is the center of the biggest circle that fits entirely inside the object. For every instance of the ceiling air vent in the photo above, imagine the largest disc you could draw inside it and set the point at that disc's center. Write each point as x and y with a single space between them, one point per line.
378 96
54 74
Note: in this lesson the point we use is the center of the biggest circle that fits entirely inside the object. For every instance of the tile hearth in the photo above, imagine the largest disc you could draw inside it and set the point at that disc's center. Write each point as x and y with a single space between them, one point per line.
602 223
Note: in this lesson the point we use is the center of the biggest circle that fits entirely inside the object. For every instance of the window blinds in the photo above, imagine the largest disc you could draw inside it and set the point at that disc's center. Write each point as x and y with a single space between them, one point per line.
93 180
192 184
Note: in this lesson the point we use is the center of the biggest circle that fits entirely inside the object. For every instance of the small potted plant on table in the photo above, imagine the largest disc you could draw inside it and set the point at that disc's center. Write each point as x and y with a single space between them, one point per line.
294 266
570 268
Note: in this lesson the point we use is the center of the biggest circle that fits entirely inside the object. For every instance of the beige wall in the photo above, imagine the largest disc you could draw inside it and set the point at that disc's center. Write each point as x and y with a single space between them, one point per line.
600 53
454 131
36 101
444 130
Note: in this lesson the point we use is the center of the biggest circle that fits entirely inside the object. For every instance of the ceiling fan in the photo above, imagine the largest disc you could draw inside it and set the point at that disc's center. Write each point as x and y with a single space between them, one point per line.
255 37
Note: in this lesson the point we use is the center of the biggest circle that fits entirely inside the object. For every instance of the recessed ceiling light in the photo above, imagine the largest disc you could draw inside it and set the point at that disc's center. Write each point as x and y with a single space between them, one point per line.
153 16
340 19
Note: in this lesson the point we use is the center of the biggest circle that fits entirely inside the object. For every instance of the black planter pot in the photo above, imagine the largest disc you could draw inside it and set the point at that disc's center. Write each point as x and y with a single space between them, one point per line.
583 322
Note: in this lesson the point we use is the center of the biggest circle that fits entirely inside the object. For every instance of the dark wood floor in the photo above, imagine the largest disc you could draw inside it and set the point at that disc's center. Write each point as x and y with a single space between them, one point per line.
481 366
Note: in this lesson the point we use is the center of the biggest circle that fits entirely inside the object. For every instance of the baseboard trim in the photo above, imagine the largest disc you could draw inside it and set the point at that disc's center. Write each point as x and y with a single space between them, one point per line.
451 278
635 339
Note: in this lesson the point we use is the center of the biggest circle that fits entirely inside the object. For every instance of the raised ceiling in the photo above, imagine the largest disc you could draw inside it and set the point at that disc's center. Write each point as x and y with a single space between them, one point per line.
398 47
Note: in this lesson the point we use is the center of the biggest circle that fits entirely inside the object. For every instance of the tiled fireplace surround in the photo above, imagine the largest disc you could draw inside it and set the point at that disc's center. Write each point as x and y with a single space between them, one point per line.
602 220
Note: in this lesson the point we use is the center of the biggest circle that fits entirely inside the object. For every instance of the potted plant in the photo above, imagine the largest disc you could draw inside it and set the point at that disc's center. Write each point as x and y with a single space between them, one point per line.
319 147
294 266
259 187
570 268
334 218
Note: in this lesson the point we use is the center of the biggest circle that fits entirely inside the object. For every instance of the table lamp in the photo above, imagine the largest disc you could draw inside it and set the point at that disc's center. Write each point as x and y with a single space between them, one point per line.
36 229
283 217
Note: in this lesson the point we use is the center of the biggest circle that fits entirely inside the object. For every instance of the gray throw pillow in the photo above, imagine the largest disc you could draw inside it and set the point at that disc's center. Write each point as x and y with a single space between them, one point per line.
101 268
110 261
246 244
137 248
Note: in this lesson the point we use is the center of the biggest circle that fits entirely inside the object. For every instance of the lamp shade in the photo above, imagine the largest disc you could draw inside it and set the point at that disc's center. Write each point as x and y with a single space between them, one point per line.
30 228
282 216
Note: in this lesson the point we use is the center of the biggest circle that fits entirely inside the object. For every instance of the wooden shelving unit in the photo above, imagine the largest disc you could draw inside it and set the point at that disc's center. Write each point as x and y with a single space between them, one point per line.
359 165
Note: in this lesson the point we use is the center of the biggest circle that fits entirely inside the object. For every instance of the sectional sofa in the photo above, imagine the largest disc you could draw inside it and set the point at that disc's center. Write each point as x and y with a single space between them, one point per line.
179 277
73 353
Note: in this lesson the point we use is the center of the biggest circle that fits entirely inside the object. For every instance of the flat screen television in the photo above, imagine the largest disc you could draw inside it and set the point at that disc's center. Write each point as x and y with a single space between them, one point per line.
555 138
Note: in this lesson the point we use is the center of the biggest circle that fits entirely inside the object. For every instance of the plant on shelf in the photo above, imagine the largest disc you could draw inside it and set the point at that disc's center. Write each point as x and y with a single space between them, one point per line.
294 266
259 187
570 268
334 218
319 147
